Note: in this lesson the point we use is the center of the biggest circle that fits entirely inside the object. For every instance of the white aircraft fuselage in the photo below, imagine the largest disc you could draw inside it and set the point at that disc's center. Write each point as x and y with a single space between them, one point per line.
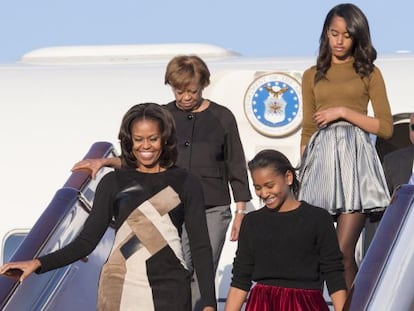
56 103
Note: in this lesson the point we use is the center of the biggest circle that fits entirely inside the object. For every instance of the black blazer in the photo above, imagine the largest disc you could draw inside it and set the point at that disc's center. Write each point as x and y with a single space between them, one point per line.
398 167
210 147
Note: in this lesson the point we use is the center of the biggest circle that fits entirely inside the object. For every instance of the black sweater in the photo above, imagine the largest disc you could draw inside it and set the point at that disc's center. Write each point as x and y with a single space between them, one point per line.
295 249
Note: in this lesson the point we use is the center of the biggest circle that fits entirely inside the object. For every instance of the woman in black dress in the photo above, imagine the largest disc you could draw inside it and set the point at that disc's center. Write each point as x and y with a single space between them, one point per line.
149 199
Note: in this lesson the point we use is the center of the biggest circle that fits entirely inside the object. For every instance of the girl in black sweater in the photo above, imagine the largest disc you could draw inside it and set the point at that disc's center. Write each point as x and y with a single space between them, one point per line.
288 247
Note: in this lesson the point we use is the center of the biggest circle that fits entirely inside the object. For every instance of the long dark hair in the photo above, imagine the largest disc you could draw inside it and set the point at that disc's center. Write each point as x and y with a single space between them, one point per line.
166 124
276 161
362 49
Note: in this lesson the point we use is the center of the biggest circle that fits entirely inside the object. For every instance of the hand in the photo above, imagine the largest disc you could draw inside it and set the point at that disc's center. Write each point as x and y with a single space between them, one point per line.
324 117
27 268
235 228
93 165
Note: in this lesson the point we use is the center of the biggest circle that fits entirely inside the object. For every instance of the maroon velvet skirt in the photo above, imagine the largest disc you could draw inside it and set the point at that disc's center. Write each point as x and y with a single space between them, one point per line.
275 298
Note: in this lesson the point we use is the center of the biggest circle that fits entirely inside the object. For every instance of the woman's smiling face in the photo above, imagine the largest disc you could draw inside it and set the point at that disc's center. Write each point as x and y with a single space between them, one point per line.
146 144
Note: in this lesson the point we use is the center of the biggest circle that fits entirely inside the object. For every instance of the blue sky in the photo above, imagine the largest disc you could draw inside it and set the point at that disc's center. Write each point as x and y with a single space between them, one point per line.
252 28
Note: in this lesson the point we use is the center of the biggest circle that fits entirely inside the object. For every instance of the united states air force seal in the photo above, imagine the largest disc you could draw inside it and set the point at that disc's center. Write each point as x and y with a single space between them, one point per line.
273 104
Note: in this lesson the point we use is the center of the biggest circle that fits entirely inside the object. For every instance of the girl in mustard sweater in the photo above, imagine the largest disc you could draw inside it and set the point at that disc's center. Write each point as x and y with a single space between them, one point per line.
341 171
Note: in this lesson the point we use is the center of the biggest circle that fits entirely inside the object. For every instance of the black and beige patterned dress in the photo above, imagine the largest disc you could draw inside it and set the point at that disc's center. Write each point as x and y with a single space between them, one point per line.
145 269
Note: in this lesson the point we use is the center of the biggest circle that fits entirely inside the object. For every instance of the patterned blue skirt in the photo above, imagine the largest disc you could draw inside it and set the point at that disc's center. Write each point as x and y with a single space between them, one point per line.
341 171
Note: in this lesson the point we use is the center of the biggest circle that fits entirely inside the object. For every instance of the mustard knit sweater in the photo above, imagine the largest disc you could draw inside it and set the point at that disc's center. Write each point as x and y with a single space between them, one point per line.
344 87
